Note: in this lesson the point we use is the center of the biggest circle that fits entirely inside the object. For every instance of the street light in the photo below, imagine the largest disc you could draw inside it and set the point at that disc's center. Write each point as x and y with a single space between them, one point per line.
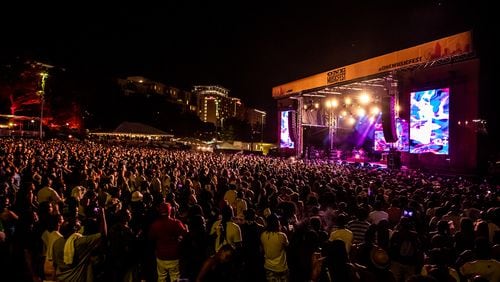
221 128
262 127
44 76
262 116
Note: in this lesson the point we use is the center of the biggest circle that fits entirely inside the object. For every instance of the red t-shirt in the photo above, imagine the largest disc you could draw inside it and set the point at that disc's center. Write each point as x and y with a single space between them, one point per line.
167 233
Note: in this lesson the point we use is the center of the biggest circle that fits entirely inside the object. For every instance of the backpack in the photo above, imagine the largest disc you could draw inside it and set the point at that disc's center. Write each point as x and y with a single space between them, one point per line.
407 248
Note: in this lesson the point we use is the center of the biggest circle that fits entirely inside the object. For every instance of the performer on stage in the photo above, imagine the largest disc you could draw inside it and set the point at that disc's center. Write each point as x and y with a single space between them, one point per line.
361 153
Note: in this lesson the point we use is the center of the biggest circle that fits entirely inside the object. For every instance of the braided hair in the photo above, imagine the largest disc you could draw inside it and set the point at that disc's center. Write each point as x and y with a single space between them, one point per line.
227 215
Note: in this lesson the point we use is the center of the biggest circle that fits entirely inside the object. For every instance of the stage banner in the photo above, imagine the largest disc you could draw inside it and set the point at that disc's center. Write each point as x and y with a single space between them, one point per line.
442 48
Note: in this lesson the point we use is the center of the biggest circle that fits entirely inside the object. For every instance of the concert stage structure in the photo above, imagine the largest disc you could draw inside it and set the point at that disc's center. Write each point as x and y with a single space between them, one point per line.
418 104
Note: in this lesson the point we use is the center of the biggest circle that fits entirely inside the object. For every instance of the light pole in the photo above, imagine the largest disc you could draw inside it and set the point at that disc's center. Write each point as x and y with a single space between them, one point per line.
222 127
44 76
262 116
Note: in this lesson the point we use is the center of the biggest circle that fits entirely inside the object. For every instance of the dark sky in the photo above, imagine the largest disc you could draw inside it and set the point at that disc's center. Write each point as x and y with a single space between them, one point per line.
246 46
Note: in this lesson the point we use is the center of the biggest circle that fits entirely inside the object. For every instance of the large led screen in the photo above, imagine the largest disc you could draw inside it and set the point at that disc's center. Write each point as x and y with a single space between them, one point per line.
430 121
285 140
402 131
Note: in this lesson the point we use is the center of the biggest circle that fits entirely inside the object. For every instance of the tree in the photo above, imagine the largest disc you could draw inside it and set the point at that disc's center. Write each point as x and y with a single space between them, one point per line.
20 85
236 129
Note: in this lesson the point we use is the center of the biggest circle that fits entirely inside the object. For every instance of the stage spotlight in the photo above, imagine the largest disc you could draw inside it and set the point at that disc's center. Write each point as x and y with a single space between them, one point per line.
305 107
372 119
375 110
364 98
334 103
343 113
348 100
361 112
316 105
398 108
352 120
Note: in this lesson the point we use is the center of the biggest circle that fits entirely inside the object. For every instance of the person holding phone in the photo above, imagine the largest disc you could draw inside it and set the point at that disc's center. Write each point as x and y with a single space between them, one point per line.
407 213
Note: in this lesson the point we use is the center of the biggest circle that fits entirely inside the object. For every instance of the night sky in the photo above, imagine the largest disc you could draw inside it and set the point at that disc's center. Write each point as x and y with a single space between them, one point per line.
246 46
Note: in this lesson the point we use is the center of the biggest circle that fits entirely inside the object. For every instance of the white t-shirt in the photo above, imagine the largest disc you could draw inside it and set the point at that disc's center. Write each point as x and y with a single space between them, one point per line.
376 216
233 234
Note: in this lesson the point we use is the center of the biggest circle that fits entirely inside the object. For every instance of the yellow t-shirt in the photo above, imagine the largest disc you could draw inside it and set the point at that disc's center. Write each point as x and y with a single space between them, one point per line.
274 244
343 235
488 268
230 197
453 273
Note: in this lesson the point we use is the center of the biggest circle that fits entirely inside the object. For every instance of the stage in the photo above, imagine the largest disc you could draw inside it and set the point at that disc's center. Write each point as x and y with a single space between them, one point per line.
424 107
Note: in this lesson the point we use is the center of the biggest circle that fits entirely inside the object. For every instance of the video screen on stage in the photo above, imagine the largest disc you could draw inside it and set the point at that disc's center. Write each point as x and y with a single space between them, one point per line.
430 121
402 144
285 140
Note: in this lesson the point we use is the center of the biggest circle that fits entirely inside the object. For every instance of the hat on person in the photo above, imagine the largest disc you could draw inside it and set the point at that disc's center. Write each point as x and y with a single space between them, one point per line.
136 196
267 212
37 178
113 202
379 258
165 208
78 192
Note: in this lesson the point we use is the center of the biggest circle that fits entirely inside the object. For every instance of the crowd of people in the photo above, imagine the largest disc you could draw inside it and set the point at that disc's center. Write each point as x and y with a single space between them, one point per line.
86 211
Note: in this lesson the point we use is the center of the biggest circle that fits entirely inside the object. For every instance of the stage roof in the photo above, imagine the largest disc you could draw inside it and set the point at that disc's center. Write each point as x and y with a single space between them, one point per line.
427 53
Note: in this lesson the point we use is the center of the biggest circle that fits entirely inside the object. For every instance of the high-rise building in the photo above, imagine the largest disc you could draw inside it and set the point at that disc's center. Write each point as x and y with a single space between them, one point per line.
215 105
188 100
138 85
